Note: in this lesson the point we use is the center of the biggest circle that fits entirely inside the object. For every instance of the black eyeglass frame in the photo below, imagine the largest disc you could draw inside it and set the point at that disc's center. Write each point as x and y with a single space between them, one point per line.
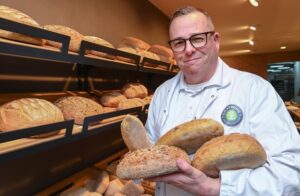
190 38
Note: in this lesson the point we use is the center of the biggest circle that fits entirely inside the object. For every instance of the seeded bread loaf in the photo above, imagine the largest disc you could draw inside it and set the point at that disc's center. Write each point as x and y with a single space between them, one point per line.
99 41
134 133
112 99
75 37
77 108
28 112
191 135
229 152
150 162
20 17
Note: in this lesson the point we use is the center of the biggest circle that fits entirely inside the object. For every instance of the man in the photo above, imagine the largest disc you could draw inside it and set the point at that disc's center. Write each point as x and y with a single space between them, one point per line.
208 88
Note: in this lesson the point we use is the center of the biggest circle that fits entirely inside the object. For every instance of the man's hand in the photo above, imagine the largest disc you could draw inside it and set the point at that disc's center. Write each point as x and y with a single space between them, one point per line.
191 180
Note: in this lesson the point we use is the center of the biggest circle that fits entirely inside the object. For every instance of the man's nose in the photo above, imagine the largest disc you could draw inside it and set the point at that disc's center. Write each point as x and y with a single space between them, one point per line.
189 48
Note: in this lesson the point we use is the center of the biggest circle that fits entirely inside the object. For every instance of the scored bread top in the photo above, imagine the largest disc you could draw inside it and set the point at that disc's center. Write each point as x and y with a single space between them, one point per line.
149 162
28 112
191 135
76 107
112 99
135 90
229 152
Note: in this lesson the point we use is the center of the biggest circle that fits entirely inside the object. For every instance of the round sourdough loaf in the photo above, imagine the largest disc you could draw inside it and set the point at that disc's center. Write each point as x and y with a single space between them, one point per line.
150 162
77 108
229 152
75 37
135 90
29 112
191 135
18 16
134 133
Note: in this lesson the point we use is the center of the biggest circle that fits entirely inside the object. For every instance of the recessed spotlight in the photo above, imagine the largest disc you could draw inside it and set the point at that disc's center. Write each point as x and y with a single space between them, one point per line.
251 42
255 3
253 28
282 47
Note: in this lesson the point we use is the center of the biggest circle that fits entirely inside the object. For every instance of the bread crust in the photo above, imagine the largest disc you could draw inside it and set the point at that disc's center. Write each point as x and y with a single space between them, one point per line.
134 43
99 41
135 90
20 17
150 162
112 99
229 152
28 112
191 135
75 37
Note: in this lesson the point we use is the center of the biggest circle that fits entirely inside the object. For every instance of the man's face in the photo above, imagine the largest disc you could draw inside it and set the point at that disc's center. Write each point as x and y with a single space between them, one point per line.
200 62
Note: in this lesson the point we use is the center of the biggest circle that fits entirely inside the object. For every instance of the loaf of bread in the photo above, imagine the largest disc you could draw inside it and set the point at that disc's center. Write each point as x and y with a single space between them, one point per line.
165 54
134 133
20 17
77 108
135 90
112 99
150 162
99 41
28 112
129 50
130 103
132 189
191 135
229 152
114 187
150 55
134 43
102 182
75 37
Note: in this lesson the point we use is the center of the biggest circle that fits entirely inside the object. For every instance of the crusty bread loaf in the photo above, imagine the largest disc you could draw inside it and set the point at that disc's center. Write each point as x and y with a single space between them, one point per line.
99 41
114 187
135 90
191 135
112 99
165 54
229 152
150 162
76 107
75 37
28 112
129 50
130 103
134 43
134 133
132 189
149 55
20 17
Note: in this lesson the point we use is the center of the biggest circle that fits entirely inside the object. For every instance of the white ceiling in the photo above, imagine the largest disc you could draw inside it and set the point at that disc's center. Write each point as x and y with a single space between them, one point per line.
277 21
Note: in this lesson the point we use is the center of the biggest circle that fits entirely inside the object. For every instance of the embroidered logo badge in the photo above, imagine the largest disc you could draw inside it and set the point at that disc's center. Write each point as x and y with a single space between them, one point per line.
232 115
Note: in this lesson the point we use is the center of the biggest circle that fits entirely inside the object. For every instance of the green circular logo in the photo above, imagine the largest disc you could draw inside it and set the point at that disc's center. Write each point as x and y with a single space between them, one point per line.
231 115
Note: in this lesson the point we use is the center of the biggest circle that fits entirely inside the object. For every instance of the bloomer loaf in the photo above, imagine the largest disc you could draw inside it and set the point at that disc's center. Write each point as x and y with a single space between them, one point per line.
191 135
75 37
20 17
229 152
150 162
77 108
28 112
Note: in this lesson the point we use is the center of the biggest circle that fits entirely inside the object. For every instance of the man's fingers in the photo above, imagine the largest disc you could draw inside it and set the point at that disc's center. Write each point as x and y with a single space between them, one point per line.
185 167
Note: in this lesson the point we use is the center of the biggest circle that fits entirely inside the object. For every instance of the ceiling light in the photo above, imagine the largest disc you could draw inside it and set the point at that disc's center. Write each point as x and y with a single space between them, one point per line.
253 28
254 2
251 42
283 47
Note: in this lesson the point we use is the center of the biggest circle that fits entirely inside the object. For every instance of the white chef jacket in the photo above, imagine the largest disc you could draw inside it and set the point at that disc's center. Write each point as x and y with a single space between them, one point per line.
261 113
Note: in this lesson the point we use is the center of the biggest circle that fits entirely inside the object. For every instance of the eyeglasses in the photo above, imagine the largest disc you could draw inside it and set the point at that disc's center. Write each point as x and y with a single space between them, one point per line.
198 40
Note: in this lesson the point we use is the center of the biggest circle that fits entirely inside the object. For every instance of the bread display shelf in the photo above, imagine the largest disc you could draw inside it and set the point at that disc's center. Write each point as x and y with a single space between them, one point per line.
15 48
19 142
